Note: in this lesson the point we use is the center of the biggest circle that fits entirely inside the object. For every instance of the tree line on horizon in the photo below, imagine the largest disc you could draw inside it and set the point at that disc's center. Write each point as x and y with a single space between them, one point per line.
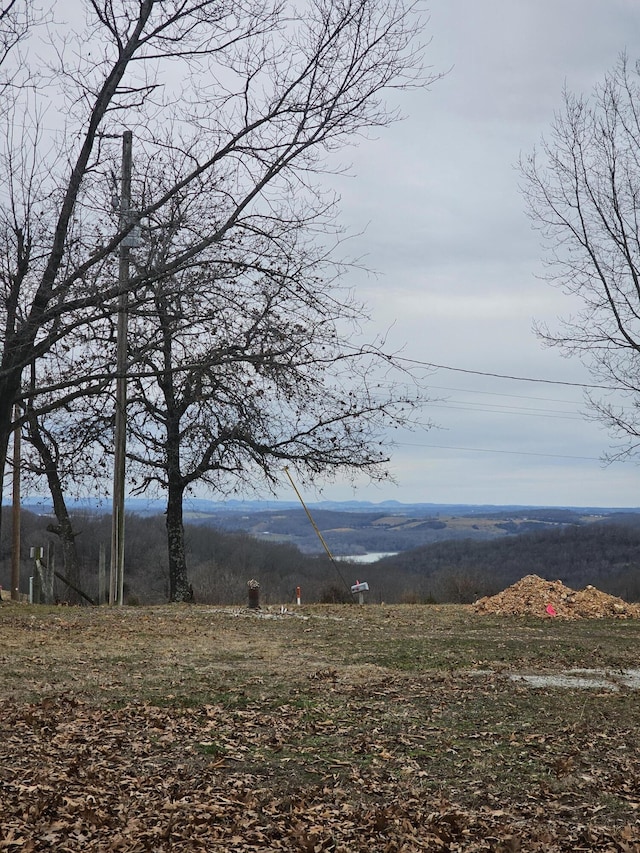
604 554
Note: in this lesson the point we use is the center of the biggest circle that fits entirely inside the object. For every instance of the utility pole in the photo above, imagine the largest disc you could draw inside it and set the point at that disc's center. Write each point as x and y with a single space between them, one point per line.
116 578
15 510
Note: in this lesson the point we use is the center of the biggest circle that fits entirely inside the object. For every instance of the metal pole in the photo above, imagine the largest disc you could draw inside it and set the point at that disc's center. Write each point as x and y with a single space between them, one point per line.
116 579
15 511
317 529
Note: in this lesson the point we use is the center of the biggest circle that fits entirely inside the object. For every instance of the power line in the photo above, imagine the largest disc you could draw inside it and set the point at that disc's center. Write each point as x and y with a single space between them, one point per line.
502 394
507 452
496 409
507 376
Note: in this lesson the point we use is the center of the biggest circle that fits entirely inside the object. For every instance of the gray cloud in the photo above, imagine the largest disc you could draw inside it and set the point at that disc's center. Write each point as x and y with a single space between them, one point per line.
460 267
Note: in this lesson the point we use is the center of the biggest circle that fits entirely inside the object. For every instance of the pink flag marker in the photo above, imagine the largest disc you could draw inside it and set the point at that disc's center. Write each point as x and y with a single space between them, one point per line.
551 610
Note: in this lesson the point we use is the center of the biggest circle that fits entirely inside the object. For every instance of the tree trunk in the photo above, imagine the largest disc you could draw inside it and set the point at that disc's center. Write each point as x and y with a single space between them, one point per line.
64 528
179 588
9 389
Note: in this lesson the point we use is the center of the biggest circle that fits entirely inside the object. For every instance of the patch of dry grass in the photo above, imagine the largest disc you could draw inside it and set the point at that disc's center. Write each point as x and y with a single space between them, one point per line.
334 728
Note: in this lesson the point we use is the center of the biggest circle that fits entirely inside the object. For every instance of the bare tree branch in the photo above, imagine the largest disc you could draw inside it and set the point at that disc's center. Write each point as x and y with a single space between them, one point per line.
236 110
583 194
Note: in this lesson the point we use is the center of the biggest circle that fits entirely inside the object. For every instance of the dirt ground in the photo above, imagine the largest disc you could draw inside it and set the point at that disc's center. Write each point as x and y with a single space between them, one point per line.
324 729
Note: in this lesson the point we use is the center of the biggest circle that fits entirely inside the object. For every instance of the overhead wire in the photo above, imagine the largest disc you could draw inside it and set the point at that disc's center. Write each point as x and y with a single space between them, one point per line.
494 450
435 366
502 394
498 409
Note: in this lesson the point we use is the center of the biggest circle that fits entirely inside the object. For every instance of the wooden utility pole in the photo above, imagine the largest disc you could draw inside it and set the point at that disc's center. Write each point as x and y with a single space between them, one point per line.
15 511
116 578
102 562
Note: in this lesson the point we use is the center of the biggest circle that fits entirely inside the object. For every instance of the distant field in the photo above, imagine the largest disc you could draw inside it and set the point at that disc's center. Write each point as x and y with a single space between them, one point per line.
329 729
349 531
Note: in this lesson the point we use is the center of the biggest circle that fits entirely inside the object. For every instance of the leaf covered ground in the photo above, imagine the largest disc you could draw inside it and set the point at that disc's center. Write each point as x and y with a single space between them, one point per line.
330 729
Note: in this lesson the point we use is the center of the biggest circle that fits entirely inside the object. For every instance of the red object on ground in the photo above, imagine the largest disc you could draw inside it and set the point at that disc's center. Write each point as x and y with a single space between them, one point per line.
551 610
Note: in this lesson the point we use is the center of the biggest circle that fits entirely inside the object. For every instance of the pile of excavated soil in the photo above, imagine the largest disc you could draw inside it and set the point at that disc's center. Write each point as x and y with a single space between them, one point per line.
534 596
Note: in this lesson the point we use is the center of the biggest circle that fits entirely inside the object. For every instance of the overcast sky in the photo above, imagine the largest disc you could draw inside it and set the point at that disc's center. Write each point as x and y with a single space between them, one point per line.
436 203
459 262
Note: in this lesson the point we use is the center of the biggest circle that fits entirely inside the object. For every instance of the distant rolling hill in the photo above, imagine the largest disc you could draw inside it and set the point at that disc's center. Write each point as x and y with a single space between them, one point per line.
604 553
358 528
350 532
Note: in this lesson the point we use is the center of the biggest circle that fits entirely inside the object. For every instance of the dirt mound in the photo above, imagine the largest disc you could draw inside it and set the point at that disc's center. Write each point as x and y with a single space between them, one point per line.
534 596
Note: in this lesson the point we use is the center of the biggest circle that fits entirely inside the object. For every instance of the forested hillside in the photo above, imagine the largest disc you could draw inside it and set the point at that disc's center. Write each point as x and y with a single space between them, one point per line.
220 563
605 553
360 531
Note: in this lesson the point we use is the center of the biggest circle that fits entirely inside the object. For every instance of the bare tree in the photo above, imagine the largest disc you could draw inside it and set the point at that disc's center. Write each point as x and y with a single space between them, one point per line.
240 364
246 99
17 17
66 455
247 365
583 193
